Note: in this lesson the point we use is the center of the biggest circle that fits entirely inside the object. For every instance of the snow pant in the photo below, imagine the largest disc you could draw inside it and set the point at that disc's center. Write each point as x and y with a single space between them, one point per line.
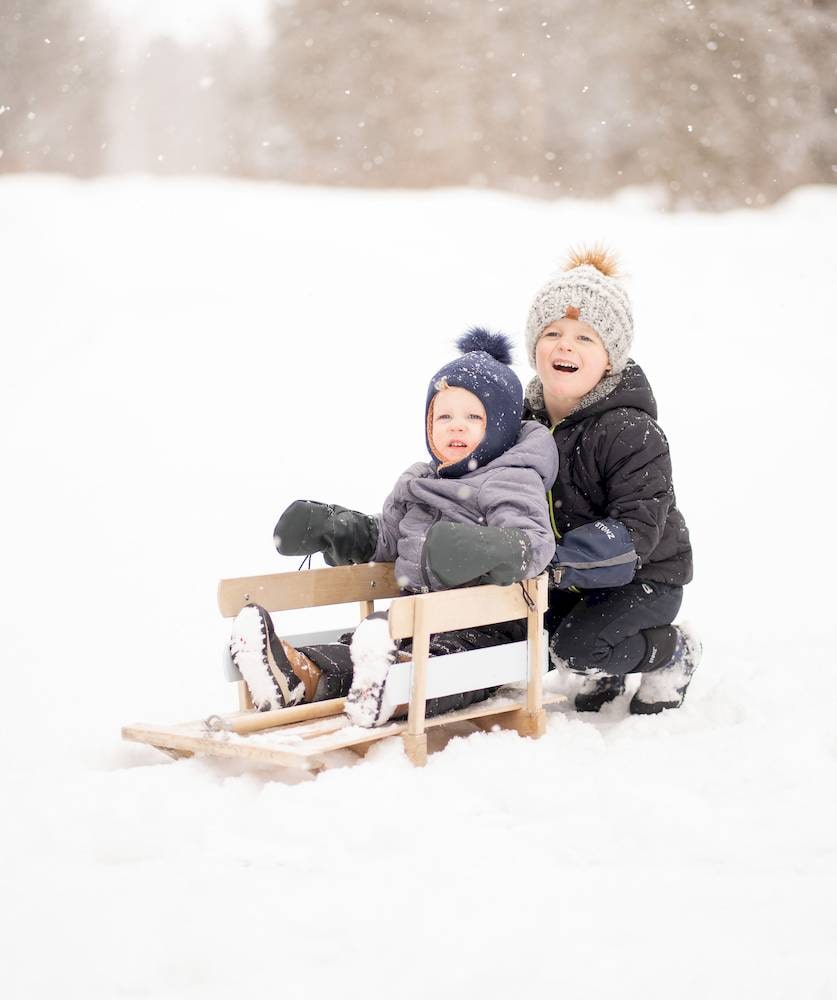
618 631
335 661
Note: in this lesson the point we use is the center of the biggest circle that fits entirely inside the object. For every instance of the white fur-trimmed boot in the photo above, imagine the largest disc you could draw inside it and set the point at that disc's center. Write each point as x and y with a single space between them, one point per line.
373 653
263 662
666 687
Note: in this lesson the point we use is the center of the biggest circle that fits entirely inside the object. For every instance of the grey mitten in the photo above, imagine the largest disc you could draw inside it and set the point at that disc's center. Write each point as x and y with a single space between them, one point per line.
456 554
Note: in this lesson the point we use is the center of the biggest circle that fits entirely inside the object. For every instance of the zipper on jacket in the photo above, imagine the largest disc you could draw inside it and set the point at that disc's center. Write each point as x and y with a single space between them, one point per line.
555 530
423 555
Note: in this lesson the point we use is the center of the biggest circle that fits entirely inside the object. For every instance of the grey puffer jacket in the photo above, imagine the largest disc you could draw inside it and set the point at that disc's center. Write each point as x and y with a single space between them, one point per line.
509 492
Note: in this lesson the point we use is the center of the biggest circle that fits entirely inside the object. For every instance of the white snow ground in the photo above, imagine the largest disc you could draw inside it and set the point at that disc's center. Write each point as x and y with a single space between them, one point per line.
183 358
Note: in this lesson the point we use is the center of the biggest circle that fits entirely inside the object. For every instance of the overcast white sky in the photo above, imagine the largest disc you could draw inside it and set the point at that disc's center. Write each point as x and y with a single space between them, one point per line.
188 20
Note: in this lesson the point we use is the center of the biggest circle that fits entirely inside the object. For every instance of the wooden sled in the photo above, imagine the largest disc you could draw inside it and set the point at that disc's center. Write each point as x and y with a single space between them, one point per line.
301 736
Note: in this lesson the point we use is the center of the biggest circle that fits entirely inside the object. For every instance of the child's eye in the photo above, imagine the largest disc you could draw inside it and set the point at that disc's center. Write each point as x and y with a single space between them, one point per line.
443 416
551 333
583 336
475 416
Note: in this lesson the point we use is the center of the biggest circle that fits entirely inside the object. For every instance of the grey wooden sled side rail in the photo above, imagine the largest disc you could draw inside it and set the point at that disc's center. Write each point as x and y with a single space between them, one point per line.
301 735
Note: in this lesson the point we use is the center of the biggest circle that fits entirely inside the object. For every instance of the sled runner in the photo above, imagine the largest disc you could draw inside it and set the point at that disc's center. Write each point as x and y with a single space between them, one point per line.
302 735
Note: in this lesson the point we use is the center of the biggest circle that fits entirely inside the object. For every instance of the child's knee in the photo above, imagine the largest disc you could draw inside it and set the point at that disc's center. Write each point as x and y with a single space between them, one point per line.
582 653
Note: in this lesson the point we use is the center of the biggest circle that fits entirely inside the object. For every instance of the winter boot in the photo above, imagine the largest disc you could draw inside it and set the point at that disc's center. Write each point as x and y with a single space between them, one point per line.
586 692
275 673
373 653
595 692
666 686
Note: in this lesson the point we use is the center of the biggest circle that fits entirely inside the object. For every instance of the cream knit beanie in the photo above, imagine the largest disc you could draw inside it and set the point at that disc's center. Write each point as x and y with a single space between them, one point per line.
587 289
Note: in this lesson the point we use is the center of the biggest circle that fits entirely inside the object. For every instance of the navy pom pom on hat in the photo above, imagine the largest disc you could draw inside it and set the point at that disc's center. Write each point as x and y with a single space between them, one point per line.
483 370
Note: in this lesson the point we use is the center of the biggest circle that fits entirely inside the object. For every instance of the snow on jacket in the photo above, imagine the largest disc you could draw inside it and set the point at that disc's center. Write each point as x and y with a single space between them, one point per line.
613 501
508 492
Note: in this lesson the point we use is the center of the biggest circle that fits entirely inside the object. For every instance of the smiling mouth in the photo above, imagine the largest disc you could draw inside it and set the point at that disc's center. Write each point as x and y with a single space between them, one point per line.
564 366
457 444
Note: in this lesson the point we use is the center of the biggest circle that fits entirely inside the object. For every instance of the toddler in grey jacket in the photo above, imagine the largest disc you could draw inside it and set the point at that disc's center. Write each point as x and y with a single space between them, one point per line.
475 513
489 472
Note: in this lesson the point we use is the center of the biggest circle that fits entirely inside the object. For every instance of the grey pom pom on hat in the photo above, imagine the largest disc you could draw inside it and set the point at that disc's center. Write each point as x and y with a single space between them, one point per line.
598 299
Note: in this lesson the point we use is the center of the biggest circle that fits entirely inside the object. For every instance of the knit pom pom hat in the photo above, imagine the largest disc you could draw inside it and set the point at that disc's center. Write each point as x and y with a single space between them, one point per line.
587 289
483 370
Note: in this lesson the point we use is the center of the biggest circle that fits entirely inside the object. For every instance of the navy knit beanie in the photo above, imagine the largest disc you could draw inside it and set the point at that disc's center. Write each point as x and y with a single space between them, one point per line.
483 370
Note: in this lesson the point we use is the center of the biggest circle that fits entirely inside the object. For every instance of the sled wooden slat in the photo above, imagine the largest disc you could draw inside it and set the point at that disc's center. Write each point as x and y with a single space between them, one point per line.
534 620
313 588
254 722
183 739
245 702
415 740
303 745
493 711
454 609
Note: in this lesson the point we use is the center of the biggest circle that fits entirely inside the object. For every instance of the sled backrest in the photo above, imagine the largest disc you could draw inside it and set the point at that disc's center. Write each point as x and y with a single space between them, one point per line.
437 612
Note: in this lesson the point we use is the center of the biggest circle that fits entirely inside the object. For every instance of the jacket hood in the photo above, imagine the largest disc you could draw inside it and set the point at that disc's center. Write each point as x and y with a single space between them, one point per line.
483 369
628 388
509 491
534 449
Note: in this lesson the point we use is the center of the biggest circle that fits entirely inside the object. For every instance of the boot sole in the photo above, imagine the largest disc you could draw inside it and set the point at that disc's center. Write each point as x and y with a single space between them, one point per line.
647 708
254 657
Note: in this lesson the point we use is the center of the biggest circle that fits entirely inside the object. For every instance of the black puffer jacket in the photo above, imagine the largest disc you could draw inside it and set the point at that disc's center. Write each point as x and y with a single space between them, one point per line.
615 464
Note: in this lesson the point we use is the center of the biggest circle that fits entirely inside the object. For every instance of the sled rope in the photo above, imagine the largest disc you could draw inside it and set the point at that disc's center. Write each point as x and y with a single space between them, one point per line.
530 604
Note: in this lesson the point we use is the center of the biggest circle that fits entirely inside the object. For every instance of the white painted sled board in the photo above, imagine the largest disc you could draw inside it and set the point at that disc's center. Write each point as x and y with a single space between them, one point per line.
469 670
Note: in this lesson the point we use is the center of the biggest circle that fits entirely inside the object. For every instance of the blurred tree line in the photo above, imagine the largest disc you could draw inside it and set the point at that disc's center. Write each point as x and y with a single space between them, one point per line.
54 74
721 103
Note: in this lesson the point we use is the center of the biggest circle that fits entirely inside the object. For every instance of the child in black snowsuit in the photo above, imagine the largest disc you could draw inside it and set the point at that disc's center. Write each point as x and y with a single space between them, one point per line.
623 553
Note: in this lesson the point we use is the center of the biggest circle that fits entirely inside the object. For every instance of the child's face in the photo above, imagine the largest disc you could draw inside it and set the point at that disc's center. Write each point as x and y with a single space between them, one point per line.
570 358
458 423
